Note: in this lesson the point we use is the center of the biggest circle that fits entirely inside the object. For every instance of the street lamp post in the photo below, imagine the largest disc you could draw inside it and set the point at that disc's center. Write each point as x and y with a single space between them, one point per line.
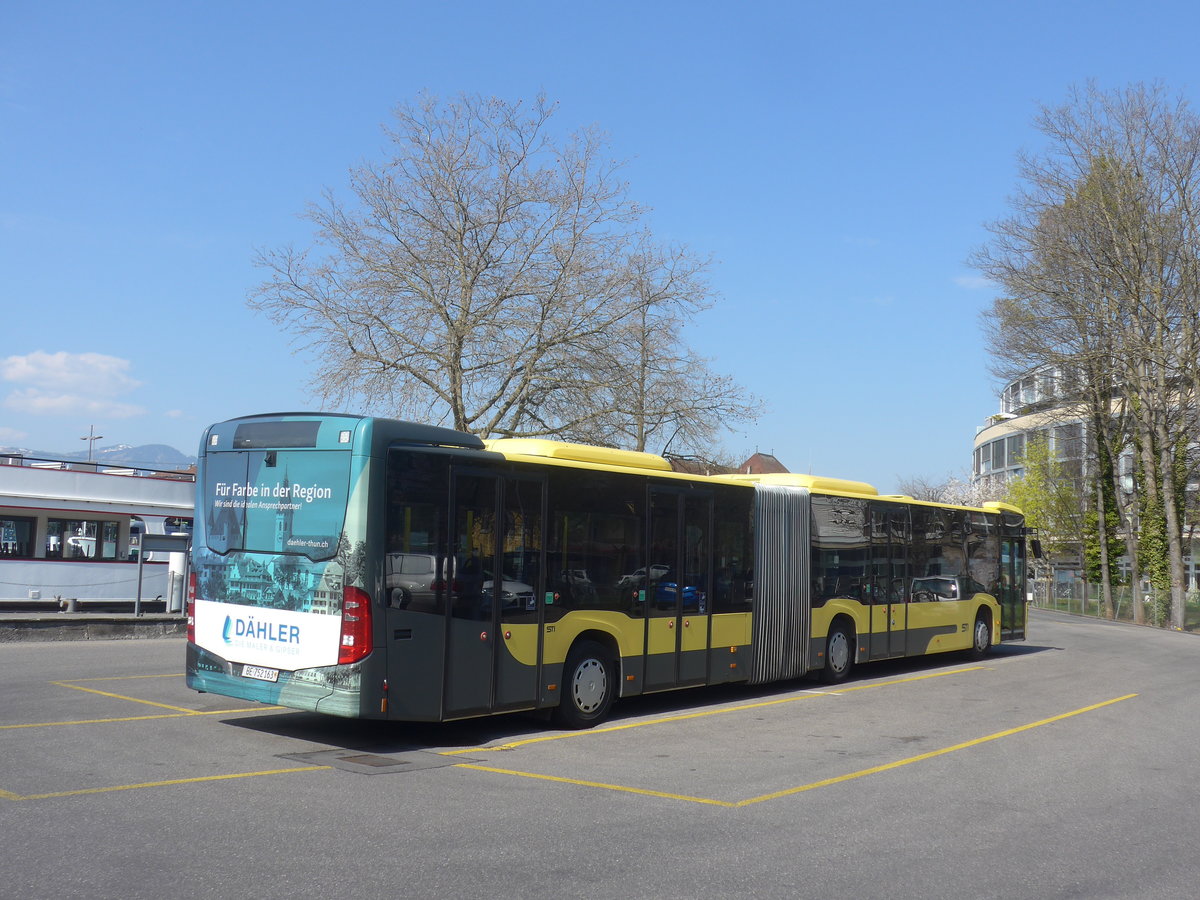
91 438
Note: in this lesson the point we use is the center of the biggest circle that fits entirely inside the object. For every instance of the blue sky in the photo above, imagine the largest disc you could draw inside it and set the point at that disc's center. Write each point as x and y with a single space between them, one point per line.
839 161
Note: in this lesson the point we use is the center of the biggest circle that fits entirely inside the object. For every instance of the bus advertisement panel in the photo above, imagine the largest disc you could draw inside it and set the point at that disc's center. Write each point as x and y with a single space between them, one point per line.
279 548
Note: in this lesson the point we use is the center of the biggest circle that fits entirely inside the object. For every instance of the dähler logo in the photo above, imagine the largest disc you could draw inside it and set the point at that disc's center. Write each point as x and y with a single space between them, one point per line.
238 630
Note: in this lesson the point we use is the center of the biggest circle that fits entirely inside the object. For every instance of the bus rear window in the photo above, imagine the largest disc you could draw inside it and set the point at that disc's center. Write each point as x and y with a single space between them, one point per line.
276 502
257 435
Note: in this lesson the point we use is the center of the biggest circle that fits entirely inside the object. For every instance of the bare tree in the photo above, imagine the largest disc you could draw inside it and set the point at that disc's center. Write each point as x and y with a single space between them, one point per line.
484 277
957 489
663 396
920 488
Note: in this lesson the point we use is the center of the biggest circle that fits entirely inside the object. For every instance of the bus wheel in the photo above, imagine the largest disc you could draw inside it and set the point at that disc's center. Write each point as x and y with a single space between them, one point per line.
589 683
981 640
839 655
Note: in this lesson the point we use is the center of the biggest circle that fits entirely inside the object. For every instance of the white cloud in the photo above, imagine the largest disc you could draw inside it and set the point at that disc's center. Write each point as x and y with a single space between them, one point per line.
973 282
101 374
12 434
70 384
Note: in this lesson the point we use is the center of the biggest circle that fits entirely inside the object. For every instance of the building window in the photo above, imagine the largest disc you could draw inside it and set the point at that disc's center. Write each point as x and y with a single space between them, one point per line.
1068 441
81 539
1047 385
1028 390
16 537
1016 449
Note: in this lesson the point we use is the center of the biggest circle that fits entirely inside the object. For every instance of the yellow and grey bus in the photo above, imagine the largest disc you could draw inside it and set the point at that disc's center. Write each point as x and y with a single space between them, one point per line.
374 568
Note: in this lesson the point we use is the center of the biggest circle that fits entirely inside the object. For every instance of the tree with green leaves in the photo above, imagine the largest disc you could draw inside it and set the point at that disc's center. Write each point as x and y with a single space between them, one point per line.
1048 497
1102 525
1099 265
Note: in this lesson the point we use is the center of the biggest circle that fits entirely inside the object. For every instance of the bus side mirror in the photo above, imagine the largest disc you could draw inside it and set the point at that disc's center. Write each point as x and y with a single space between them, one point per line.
1035 547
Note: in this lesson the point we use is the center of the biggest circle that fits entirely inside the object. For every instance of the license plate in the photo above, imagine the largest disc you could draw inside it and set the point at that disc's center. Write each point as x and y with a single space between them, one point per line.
260 672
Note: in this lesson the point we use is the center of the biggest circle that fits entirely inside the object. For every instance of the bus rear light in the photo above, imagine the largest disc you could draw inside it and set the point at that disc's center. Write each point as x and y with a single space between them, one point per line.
191 608
356 625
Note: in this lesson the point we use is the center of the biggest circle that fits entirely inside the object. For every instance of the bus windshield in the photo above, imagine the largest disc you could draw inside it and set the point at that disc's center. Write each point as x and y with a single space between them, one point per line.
276 501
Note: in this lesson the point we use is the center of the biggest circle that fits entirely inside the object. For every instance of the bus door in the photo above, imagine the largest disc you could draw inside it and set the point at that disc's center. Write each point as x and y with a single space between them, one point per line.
889 580
677 582
888 619
901 536
1011 592
492 643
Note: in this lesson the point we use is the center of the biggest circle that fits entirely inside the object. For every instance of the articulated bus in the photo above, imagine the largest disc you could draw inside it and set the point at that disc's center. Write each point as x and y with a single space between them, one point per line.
381 569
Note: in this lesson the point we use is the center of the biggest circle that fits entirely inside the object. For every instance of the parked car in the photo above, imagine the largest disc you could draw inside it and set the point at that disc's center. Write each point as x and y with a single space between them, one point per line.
580 586
694 599
935 587
414 578
409 577
514 595
638 578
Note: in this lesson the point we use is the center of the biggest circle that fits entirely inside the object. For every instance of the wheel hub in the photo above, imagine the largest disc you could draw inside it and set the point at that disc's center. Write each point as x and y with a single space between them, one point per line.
981 635
839 652
589 685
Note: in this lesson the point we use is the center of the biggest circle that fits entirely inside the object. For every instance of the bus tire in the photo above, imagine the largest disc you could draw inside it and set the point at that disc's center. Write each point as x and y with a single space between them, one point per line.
839 654
981 636
588 686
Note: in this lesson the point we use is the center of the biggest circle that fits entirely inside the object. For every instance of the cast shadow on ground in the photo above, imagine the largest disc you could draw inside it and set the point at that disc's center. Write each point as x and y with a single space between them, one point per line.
382 737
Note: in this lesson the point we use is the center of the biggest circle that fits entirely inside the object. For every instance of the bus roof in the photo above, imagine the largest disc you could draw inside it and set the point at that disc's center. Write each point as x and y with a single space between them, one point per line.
584 453
390 431
812 482
325 430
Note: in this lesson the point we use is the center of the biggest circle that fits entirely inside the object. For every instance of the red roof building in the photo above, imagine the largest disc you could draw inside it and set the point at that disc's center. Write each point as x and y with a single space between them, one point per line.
762 464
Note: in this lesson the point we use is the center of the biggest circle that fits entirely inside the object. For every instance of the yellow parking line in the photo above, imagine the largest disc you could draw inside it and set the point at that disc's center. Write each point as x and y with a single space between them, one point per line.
119 678
932 754
666 795
907 679
513 745
839 779
76 687
744 707
151 784
180 715
597 784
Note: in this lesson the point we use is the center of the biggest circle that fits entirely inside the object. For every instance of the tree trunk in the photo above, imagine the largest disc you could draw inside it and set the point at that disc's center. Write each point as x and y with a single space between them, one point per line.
1174 530
1110 611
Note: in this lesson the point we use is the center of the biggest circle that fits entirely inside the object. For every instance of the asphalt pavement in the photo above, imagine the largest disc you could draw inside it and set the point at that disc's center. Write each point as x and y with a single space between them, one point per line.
1064 766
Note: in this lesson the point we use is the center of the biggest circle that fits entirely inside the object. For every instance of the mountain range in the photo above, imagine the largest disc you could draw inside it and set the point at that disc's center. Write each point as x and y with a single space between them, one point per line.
147 456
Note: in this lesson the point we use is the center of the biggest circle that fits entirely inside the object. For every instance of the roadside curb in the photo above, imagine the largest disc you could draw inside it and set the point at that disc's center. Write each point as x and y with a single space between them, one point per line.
93 627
